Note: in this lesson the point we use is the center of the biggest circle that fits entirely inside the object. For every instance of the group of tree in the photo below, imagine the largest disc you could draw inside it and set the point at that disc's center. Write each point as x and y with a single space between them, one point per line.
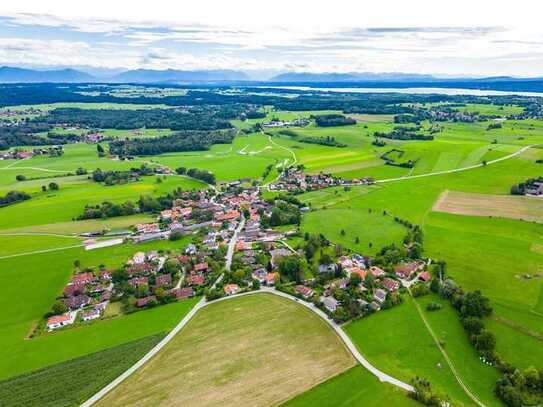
332 120
329 141
202 175
13 197
285 211
189 140
404 133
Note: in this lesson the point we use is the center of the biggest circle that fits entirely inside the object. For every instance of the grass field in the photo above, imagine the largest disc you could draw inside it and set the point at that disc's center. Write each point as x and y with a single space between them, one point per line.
500 206
70 383
256 350
355 387
397 341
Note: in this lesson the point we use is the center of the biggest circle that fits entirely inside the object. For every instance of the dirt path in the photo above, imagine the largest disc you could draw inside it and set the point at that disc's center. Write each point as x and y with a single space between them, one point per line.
447 359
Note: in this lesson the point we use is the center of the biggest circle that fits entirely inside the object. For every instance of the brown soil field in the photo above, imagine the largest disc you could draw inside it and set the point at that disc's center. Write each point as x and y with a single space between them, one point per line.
256 350
502 206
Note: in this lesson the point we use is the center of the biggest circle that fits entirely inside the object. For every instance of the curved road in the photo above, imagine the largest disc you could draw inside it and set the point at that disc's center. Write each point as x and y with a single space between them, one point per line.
203 303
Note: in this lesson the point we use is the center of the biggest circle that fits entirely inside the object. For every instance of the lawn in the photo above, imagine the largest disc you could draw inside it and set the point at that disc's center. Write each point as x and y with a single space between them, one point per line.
256 350
355 387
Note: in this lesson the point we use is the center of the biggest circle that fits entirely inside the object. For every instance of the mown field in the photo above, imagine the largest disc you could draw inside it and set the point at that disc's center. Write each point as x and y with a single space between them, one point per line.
256 350
70 383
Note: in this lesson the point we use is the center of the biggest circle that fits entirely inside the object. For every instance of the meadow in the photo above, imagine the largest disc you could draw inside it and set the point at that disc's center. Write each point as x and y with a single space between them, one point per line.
254 350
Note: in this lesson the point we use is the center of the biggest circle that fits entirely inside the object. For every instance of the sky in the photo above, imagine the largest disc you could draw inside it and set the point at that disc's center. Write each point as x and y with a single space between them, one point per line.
460 38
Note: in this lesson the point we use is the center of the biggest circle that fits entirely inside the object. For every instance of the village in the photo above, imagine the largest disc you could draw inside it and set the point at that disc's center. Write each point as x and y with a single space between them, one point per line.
20 154
344 285
295 180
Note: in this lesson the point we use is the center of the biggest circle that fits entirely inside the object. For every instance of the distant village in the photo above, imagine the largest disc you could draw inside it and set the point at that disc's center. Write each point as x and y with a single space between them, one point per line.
295 180
20 154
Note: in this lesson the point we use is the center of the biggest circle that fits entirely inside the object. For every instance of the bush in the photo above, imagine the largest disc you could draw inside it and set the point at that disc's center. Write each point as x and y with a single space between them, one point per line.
433 306
20 177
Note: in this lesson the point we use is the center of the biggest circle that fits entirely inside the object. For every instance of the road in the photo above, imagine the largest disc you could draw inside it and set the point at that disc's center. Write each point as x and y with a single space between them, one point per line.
203 303
232 245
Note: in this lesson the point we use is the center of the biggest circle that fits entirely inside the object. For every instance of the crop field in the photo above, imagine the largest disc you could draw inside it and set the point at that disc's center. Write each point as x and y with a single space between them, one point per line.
355 387
501 206
255 350
70 383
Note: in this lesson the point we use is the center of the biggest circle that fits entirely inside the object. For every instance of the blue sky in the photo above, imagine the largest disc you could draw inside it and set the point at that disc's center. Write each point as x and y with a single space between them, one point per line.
457 39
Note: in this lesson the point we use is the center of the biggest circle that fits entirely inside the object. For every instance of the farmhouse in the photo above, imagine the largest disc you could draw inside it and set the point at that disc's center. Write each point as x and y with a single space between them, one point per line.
162 280
83 278
142 302
59 321
271 277
79 301
200 267
90 315
376 271
182 293
196 280
406 270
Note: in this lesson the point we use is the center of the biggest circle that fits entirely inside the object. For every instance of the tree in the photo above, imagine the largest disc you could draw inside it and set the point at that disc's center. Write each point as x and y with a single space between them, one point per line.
44 188
355 280
473 325
171 266
53 186
342 232
485 342
181 170
20 177
59 307
81 171
357 240
100 150
291 267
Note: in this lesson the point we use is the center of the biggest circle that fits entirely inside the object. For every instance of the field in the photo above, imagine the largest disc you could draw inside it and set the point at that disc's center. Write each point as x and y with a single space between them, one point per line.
70 383
255 350
500 206
355 387
407 350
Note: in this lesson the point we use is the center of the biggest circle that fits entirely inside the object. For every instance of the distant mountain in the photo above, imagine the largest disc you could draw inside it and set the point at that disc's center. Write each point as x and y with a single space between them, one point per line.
172 75
14 75
349 77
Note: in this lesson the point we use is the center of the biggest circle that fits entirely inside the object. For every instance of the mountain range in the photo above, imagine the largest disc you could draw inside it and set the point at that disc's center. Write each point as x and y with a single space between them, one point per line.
172 76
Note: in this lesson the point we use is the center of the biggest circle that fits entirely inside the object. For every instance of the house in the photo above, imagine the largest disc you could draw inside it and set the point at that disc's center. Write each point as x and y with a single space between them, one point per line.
196 280
327 268
270 278
227 216
138 258
391 285
182 293
358 271
406 270
242 245
380 295
59 321
137 281
163 279
142 302
83 278
376 271
425 276
330 303
277 254
306 292
231 289
191 250
76 302
74 289
260 274
345 262
147 228
90 315
200 267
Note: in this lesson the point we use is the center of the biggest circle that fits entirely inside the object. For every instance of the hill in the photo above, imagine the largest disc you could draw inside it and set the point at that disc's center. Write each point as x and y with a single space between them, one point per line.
15 75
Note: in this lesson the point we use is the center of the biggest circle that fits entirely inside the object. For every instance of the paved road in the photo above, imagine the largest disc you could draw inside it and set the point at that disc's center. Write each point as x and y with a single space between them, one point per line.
232 245
203 303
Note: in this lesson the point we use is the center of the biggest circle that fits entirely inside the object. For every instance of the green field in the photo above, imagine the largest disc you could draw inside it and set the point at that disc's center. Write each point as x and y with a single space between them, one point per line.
355 387
255 350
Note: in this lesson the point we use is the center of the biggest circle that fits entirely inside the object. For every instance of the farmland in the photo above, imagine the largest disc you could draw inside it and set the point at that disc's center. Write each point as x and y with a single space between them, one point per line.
256 350
72 382
237 350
